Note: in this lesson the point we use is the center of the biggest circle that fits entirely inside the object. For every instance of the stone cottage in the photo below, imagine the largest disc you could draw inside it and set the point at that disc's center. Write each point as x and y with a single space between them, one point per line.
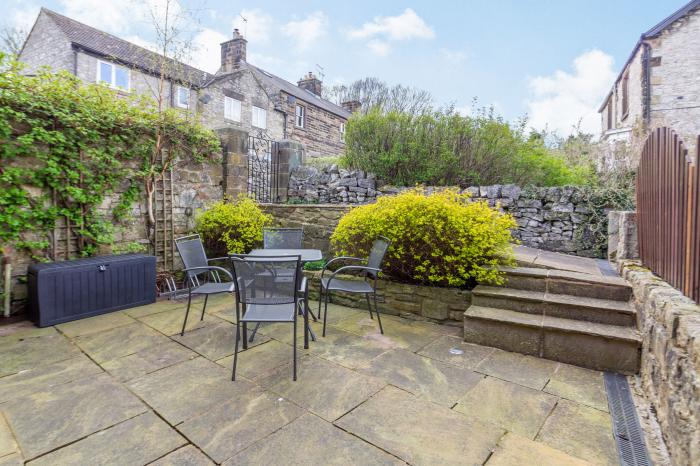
658 84
239 96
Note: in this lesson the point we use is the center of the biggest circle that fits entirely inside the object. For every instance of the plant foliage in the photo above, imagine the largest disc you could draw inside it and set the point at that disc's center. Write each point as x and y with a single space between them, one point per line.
448 149
438 239
65 146
232 227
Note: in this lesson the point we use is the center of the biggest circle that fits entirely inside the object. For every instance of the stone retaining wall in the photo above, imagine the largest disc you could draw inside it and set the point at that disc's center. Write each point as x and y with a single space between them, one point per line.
670 367
431 303
554 219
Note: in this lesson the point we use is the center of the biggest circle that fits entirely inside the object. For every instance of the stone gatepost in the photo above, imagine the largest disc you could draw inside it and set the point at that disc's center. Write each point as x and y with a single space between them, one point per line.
234 144
290 154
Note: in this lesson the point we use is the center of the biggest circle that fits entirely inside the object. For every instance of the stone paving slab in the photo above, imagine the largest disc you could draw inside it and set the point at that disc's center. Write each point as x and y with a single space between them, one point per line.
185 456
527 371
139 440
170 322
46 420
232 426
14 459
514 450
214 341
420 432
94 324
470 357
578 384
187 389
21 352
513 407
397 331
160 306
40 378
148 360
326 389
580 431
311 440
119 341
347 349
430 379
8 445
259 361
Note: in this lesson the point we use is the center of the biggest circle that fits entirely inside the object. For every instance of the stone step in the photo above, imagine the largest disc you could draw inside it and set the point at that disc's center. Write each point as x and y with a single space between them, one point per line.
586 344
604 311
565 282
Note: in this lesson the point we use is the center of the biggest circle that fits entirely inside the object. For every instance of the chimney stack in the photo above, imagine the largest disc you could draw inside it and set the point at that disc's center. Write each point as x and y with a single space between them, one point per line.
311 83
351 106
233 52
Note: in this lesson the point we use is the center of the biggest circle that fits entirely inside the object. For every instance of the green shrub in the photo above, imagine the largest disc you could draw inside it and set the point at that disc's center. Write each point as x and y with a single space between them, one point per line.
448 149
441 239
232 227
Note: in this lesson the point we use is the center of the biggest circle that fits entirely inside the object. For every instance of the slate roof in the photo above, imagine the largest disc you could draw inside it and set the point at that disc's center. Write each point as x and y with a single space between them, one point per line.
109 46
650 34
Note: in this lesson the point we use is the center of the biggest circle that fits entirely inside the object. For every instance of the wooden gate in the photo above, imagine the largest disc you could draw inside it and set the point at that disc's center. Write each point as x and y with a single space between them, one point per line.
667 211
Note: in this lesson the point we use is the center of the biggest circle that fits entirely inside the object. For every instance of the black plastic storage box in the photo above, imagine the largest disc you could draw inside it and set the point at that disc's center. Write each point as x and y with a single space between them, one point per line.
64 291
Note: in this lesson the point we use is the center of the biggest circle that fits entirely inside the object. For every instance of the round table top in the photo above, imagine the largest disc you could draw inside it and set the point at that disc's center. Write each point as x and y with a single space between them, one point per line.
307 255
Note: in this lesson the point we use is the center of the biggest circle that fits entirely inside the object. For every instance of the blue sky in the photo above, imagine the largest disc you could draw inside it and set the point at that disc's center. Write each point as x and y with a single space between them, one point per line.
552 60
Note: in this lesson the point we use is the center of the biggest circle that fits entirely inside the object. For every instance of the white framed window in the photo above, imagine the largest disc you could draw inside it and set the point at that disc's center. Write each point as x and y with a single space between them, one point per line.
342 132
232 109
117 77
300 113
259 117
182 97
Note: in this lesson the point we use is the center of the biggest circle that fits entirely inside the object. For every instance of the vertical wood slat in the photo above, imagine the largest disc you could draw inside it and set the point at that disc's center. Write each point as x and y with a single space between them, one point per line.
668 202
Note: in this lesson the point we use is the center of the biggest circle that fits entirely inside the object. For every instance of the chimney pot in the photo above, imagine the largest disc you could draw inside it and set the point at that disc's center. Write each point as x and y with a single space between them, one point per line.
311 83
233 52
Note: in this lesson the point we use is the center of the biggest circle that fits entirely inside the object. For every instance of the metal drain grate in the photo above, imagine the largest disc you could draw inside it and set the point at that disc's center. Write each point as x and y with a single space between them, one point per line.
626 428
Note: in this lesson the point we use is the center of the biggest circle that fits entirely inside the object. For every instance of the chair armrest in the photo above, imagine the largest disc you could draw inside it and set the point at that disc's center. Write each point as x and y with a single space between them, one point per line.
225 258
353 268
210 268
347 258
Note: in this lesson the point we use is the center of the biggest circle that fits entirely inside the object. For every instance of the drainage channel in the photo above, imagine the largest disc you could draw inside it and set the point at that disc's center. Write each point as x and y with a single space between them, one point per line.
626 428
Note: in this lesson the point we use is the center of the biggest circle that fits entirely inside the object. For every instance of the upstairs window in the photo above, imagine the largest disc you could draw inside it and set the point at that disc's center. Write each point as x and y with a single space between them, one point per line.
259 117
182 97
625 96
117 77
342 132
232 109
300 116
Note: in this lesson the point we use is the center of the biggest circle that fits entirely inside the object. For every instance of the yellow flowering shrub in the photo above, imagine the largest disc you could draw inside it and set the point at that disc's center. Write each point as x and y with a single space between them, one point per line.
439 239
233 227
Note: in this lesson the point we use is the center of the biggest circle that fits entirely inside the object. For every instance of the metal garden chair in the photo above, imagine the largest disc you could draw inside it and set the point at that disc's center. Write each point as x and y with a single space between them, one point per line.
367 286
265 300
201 278
283 238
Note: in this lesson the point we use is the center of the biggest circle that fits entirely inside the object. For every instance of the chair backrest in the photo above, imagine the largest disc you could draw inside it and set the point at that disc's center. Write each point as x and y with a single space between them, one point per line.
376 254
267 280
283 238
192 253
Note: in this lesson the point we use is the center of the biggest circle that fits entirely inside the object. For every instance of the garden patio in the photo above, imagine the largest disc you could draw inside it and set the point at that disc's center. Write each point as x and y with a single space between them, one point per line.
126 388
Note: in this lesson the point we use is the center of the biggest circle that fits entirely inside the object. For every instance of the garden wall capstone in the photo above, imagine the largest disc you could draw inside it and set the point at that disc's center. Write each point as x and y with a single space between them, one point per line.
670 365
555 219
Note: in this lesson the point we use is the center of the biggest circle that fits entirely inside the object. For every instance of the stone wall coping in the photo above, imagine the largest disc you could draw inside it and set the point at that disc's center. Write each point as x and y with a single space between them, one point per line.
307 206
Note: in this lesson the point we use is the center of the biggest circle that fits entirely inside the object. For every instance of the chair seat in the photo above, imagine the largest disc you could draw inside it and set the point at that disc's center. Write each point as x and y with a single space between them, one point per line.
214 287
269 313
349 286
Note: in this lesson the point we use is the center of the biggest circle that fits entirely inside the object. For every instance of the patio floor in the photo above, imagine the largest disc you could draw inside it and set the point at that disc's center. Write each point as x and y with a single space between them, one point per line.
125 388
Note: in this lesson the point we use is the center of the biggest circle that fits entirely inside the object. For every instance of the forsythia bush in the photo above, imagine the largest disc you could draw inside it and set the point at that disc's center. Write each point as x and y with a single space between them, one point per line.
232 227
438 239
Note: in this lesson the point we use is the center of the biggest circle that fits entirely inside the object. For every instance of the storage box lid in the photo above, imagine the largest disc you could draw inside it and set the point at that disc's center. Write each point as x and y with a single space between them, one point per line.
87 261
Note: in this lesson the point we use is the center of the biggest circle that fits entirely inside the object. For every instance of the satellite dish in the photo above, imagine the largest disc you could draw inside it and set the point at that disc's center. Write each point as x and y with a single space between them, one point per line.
205 99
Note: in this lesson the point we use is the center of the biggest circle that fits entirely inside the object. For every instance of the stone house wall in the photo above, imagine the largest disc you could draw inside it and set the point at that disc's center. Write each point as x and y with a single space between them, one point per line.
47 46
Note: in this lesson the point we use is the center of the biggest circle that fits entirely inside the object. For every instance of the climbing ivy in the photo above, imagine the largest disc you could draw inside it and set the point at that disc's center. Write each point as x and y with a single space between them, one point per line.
66 145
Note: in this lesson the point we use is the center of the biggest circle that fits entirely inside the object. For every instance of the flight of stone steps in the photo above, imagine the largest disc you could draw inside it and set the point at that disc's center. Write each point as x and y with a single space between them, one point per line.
572 317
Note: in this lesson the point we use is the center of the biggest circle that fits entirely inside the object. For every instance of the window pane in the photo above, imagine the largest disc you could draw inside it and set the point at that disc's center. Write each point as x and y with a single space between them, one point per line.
232 109
121 77
183 97
259 117
105 74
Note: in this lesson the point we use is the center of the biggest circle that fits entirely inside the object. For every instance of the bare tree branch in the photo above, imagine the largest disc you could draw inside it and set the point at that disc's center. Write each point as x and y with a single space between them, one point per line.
375 93
12 39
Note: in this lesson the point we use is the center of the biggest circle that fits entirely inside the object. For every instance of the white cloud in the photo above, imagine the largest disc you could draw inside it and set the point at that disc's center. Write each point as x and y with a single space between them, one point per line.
113 17
559 101
305 32
257 27
407 25
379 47
140 41
454 57
206 50
24 16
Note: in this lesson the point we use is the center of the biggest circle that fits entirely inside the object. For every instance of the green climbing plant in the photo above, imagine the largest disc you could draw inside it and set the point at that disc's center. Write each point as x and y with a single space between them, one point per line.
65 146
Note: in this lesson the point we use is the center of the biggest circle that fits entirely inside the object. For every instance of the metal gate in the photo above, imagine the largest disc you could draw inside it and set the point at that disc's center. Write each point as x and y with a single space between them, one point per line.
263 169
668 199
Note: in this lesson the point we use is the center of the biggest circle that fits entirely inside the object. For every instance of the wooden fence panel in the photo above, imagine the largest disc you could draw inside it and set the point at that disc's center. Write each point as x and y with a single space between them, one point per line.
667 207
